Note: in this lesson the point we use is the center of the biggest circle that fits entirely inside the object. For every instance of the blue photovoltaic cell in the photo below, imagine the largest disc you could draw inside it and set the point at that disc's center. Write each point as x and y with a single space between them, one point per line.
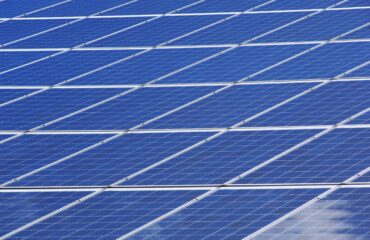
20 208
364 178
323 26
108 215
157 32
14 30
79 8
301 4
362 33
364 119
356 3
228 214
239 29
10 94
362 72
334 157
236 64
329 104
30 152
150 7
231 106
114 160
78 33
14 59
147 67
328 61
132 109
15 8
62 67
344 214
223 6
221 159
50 105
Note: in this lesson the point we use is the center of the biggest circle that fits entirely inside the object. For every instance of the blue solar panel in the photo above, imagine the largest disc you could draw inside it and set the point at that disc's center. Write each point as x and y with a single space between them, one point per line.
228 214
223 6
356 3
11 94
236 64
359 34
320 27
344 214
362 72
62 67
230 107
41 108
147 67
15 8
364 178
334 157
78 33
325 62
20 208
108 215
239 29
364 119
157 31
132 109
13 59
30 152
222 159
329 104
302 4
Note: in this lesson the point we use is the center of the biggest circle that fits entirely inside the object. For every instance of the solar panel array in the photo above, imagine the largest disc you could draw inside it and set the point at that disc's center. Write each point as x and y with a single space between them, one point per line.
185 119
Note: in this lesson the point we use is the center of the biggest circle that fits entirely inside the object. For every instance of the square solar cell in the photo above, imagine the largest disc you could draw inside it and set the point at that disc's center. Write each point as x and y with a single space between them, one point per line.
20 208
79 8
66 66
132 109
323 26
114 160
236 64
11 31
327 61
329 104
157 32
359 34
16 8
344 214
230 107
30 152
297 5
221 159
77 33
50 105
108 215
223 6
228 214
356 3
147 67
150 7
334 157
11 94
239 29
14 59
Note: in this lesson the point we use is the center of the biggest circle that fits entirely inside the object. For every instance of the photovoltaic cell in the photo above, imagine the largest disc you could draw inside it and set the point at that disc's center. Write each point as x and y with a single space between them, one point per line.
79 8
223 6
239 29
20 208
362 72
355 3
329 104
344 214
334 157
230 106
147 67
364 178
15 8
13 59
41 108
150 7
78 33
10 94
157 31
108 215
30 152
359 34
294 5
364 119
132 109
235 64
228 214
324 62
14 30
62 67
322 26
114 160
221 159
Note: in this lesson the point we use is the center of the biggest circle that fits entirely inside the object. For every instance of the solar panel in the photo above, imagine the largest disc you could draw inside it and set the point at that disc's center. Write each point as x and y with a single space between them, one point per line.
188 119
